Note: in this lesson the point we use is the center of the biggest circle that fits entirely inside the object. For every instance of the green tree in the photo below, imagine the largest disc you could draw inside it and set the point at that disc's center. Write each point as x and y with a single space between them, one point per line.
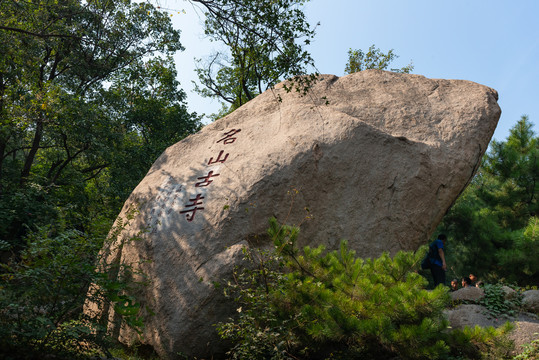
494 223
48 79
373 59
151 109
88 99
62 137
264 41
515 165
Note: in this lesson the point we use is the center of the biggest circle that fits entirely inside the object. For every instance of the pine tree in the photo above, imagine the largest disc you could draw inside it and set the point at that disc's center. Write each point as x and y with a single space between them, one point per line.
493 225
319 304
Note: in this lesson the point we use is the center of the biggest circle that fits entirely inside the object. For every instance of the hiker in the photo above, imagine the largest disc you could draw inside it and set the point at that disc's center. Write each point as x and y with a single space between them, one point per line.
466 282
454 285
473 278
437 259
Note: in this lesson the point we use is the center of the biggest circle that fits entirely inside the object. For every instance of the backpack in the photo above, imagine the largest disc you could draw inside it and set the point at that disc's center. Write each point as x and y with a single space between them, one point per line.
429 258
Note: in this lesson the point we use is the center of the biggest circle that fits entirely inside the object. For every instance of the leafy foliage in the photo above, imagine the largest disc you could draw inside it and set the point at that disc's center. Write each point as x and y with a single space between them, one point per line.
373 59
331 305
42 296
481 343
88 100
264 42
152 114
85 107
531 351
497 303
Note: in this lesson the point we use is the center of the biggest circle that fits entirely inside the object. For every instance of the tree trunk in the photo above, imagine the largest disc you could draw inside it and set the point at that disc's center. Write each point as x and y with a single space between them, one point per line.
33 151
3 140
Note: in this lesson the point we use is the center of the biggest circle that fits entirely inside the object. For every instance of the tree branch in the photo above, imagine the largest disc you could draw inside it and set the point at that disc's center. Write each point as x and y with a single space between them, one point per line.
43 36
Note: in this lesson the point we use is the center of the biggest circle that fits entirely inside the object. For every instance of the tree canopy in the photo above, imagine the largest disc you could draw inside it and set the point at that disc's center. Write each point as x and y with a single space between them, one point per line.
78 82
264 42
373 59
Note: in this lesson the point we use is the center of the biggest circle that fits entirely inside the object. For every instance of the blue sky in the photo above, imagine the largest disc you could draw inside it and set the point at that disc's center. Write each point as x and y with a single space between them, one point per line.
494 43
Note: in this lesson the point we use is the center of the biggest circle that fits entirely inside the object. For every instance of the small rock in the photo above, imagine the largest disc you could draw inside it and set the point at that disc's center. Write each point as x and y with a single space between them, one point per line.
470 293
530 301
469 315
509 292
526 330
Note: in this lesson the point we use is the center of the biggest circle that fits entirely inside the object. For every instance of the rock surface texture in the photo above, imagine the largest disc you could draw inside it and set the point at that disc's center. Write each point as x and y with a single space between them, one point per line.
526 326
376 157
468 293
530 301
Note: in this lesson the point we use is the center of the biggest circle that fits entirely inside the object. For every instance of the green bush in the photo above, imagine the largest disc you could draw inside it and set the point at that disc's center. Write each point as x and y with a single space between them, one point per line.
333 305
531 351
43 292
481 343
493 228
497 303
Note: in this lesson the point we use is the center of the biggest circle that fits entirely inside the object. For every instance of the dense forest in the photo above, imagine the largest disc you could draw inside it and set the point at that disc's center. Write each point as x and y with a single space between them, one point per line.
89 99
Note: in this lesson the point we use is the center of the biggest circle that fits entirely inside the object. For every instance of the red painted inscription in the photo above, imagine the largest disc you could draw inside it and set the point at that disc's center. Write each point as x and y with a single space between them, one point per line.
194 202
211 161
205 179
229 139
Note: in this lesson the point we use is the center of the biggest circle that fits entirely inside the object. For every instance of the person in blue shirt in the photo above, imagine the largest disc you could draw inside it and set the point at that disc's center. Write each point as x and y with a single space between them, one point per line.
438 265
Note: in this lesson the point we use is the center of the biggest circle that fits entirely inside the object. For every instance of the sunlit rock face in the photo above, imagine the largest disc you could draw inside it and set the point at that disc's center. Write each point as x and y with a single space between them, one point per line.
374 157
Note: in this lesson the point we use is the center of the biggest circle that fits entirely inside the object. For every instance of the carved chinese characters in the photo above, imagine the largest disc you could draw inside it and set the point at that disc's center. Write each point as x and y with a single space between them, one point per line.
172 197
211 161
193 207
195 202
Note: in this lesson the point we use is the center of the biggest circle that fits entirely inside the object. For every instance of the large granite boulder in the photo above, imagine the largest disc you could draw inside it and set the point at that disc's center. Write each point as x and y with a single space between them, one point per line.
373 157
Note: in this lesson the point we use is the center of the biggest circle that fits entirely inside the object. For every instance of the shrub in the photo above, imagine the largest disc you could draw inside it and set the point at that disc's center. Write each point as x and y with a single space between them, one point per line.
531 351
42 295
481 343
497 303
321 304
